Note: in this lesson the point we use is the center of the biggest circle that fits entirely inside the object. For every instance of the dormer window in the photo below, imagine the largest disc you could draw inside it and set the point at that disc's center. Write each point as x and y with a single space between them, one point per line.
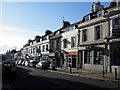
58 33
30 43
87 18
72 28
100 13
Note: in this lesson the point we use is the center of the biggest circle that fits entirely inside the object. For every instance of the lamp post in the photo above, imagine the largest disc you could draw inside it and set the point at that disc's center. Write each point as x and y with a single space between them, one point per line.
106 40
70 67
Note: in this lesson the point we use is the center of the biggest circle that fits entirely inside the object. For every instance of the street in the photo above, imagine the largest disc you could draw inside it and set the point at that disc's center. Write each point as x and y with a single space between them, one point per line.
27 77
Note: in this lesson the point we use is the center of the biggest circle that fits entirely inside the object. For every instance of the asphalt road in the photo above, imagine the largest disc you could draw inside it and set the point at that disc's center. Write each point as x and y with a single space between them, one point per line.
32 78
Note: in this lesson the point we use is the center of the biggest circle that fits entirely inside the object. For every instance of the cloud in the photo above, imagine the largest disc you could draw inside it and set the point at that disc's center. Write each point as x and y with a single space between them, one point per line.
14 37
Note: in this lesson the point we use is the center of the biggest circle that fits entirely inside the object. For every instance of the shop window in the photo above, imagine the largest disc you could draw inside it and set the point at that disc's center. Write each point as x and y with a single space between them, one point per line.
116 56
88 57
98 57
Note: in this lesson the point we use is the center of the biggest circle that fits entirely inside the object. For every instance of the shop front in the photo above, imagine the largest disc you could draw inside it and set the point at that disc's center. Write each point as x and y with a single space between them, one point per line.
92 57
71 59
115 56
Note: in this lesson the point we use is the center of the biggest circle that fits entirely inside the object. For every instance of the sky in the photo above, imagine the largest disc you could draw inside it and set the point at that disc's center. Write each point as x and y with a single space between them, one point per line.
21 21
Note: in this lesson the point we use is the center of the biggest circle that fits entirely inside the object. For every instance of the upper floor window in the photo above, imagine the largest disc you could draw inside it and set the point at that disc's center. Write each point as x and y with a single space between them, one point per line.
85 34
87 18
97 32
52 44
43 48
73 42
39 49
33 50
65 43
117 21
47 47
58 43
100 13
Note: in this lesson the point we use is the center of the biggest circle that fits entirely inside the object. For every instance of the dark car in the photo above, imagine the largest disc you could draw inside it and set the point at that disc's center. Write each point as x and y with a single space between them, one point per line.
9 67
34 64
43 65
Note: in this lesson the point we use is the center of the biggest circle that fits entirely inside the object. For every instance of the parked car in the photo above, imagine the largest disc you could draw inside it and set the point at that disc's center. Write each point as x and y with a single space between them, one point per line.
30 63
16 62
19 62
43 65
34 64
26 63
23 63
9 67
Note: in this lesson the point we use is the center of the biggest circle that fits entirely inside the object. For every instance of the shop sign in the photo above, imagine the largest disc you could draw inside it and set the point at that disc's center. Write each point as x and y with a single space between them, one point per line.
71 53
114 40
52 54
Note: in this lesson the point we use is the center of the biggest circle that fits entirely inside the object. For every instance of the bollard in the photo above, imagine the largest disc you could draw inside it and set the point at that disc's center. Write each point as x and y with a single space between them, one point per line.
70 68
103 73
116 73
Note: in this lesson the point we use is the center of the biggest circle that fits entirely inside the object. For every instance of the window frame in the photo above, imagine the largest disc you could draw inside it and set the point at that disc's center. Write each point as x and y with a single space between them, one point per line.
100 13
96 33
88 57
47 47
65 43
84 39
43 48
87 18
73 42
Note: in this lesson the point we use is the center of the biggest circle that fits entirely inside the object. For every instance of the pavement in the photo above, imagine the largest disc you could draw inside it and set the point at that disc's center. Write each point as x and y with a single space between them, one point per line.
89 74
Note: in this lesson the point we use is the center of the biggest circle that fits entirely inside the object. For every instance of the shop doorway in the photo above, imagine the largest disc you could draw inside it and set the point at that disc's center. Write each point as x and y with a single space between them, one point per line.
72 61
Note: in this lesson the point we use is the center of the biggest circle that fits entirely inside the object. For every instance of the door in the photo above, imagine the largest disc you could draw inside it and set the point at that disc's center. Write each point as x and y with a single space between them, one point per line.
80 59
72 61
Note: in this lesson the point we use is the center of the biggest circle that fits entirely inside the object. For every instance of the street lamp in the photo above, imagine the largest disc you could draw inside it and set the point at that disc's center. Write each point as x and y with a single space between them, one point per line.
106 40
